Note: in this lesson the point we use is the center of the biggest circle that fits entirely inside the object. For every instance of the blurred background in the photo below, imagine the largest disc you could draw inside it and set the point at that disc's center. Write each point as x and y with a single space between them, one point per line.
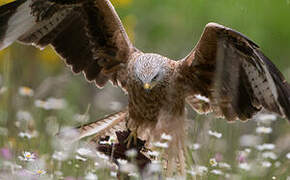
29 77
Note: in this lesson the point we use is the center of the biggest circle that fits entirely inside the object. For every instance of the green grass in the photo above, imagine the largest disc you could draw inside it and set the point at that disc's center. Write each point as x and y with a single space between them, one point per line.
19 113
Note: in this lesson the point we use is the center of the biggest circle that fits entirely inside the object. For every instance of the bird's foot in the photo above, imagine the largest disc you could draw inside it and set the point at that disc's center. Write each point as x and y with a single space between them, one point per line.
132 137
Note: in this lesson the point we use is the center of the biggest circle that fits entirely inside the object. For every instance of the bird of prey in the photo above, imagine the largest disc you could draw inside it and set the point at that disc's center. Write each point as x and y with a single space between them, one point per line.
226 73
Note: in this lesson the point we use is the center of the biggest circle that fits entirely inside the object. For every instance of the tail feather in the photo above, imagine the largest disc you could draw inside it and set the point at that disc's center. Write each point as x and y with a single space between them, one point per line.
105 126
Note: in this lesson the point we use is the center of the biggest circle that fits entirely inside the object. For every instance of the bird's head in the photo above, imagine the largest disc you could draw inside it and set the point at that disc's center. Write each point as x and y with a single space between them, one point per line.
150 70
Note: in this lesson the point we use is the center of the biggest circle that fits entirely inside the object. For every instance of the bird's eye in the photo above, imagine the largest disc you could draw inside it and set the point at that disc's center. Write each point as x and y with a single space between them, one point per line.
155 77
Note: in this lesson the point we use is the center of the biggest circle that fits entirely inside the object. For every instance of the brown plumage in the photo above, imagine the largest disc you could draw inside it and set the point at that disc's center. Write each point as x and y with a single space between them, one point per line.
226 73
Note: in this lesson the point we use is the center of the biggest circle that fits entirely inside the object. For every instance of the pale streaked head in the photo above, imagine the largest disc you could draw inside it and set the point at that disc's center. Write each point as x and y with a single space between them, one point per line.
150 69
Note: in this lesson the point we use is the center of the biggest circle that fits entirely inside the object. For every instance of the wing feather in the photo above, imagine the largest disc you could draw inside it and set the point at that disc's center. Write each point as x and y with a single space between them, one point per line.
230 70
87 34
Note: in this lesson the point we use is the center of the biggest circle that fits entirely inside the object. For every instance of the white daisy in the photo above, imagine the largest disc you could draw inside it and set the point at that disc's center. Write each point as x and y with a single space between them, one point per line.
27 156
25 91
160 144
215 134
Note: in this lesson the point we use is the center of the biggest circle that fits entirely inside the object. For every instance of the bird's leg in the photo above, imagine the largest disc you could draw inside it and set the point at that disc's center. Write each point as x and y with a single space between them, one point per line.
170 167
181 162
132 137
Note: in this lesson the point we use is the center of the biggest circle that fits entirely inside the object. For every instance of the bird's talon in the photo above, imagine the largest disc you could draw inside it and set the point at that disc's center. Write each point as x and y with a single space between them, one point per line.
132 135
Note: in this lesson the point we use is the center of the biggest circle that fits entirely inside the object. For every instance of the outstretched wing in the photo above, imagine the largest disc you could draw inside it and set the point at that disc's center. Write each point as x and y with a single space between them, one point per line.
87 34
237 78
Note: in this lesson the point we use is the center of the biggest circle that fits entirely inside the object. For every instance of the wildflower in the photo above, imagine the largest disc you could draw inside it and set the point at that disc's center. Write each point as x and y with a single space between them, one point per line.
6 153
265 147
91 176
59 174
263 130
266 164
224 165
217 172
131 153
39 172
84 152
227 176
3 131
3 90
128 168
213 162
66 140
52 125
243 155
96 164
266 118
23 115
102 156
113 174
27 156
198 170
247 150
160 145
122 161
153 153
28 135
218 157
10 165
154 167
195 146
166 137
241 158
191 172
202 169
250 140
39 103
288 155
277 164
51 104
133 174
245 166
215 134
25 91
80 158
270 155
60 156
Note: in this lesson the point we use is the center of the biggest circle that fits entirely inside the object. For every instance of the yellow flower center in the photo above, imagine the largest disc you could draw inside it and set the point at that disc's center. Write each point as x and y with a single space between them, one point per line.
212 162
28 155
26 90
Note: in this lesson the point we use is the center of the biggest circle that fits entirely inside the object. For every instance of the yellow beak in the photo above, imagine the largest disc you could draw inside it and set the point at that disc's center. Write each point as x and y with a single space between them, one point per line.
147 86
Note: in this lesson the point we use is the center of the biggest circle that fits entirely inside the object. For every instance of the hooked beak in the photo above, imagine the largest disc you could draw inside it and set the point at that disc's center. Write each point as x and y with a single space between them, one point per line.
149 86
